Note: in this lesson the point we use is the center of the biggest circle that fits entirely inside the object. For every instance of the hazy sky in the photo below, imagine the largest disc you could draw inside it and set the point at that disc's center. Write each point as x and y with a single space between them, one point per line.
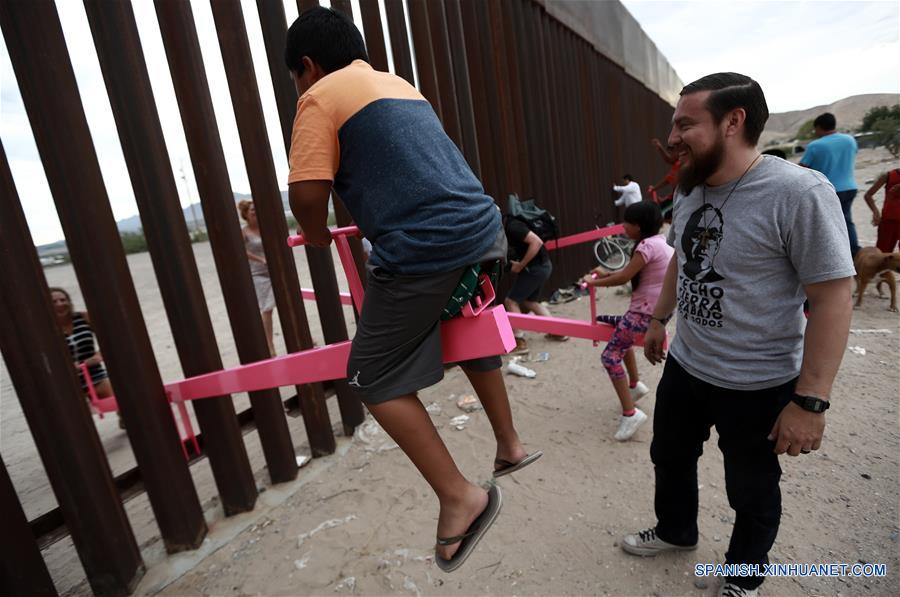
803 53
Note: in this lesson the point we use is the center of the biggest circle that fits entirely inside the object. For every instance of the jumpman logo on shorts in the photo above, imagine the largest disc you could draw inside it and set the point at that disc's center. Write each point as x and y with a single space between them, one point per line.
355 381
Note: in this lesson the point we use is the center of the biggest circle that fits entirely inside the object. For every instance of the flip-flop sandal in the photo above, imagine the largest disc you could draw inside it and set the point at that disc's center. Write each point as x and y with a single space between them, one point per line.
473 534
507 467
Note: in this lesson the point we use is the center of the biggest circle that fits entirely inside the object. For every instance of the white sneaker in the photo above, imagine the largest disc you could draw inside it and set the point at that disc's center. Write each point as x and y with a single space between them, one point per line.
646 543
629 425
732 590
638 391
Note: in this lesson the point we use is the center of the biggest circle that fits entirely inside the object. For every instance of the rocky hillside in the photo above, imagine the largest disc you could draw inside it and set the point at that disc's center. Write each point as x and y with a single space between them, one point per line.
849 113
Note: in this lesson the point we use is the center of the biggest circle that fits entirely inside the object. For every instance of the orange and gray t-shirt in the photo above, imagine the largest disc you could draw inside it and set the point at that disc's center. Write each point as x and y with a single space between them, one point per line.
405 183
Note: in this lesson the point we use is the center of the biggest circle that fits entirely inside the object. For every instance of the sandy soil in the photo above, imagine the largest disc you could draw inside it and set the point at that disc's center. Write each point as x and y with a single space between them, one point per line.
362 521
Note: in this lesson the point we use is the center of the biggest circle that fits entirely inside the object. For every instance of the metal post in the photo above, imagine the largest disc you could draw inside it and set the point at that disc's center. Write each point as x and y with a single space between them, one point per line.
251 126
481 99
321 264
421 37
396 22
458 54
42 374
371 18
498 72
443 66
511 82
176 24
22 569
528 90
543 104
343 6
40 59
131 97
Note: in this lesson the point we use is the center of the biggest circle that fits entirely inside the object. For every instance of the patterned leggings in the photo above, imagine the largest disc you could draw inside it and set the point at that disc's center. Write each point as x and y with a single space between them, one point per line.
627 327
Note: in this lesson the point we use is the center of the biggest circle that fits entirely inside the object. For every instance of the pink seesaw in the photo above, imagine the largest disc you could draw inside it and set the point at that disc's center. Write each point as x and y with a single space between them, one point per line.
481 330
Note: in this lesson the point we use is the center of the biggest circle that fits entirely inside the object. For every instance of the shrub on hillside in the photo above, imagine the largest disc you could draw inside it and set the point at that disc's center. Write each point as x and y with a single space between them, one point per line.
879 113
133 242
805 132
887 131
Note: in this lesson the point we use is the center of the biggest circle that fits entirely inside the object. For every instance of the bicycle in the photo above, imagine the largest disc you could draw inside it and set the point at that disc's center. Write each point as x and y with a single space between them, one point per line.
612 252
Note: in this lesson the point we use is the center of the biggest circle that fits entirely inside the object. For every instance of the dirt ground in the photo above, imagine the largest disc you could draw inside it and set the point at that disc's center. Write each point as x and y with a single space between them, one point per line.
362 521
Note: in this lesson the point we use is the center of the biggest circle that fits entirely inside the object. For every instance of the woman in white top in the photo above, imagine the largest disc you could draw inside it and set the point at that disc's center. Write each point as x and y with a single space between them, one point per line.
258 268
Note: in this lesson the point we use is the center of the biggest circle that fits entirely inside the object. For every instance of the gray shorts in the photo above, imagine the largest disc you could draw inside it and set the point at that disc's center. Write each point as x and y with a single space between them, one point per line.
397 347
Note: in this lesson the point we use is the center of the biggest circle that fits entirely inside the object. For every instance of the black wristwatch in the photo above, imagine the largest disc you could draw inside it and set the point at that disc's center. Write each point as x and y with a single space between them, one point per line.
810 403
662 320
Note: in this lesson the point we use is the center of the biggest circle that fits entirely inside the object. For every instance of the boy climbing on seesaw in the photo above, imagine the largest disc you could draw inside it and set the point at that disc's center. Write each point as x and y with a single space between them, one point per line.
375 140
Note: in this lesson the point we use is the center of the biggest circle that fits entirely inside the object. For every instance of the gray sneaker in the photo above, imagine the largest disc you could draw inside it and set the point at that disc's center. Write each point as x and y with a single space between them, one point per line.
732 590
647 544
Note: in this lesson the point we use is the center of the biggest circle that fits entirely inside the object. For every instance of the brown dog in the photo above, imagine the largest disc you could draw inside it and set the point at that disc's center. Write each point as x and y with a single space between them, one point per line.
870 262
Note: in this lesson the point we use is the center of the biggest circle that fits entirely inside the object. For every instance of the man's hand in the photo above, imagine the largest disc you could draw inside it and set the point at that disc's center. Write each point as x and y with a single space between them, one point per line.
797 430
515 266
876 219
317 237
654 339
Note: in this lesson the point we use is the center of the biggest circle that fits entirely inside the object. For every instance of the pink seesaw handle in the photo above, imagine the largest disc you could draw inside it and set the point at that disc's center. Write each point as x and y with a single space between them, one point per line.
297 240
594 276
340 236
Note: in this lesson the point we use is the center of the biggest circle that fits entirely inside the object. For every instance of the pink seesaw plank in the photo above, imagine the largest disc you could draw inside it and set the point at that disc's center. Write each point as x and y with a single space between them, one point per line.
583 237
599 332
308 366
462 339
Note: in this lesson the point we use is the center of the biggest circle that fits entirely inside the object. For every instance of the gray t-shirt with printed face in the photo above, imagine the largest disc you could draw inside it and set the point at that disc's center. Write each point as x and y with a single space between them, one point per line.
742 266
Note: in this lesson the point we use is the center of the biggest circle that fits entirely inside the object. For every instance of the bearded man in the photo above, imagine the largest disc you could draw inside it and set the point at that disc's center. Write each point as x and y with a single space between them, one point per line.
753 236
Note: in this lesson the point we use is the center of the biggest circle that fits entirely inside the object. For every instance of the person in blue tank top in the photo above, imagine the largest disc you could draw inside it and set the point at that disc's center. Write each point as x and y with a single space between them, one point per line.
834 155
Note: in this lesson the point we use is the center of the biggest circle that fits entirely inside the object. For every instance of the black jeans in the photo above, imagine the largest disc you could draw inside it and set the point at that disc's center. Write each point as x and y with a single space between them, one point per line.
686 409
846 198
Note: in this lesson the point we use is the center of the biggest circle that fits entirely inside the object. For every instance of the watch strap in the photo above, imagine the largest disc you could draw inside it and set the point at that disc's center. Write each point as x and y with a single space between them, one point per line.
811 403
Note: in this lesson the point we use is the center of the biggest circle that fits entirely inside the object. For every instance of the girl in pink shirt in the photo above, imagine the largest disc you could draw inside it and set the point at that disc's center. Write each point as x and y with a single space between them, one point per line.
646 270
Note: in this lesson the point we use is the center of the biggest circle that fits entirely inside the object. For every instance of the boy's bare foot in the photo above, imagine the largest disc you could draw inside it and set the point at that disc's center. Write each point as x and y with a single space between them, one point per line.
510 452
457 516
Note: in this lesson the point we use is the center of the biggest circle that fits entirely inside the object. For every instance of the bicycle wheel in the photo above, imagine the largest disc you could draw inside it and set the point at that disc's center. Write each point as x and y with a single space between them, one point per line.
626 243
609 254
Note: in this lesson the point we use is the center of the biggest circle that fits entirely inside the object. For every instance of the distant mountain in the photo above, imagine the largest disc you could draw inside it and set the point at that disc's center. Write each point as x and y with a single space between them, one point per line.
133 224
57 248
849 113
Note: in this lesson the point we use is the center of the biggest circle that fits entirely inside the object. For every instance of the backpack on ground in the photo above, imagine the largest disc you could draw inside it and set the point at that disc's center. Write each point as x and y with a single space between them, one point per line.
540 221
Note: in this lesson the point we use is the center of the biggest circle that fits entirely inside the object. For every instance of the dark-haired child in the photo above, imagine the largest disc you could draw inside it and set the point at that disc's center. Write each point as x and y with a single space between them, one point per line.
646 271
375 140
